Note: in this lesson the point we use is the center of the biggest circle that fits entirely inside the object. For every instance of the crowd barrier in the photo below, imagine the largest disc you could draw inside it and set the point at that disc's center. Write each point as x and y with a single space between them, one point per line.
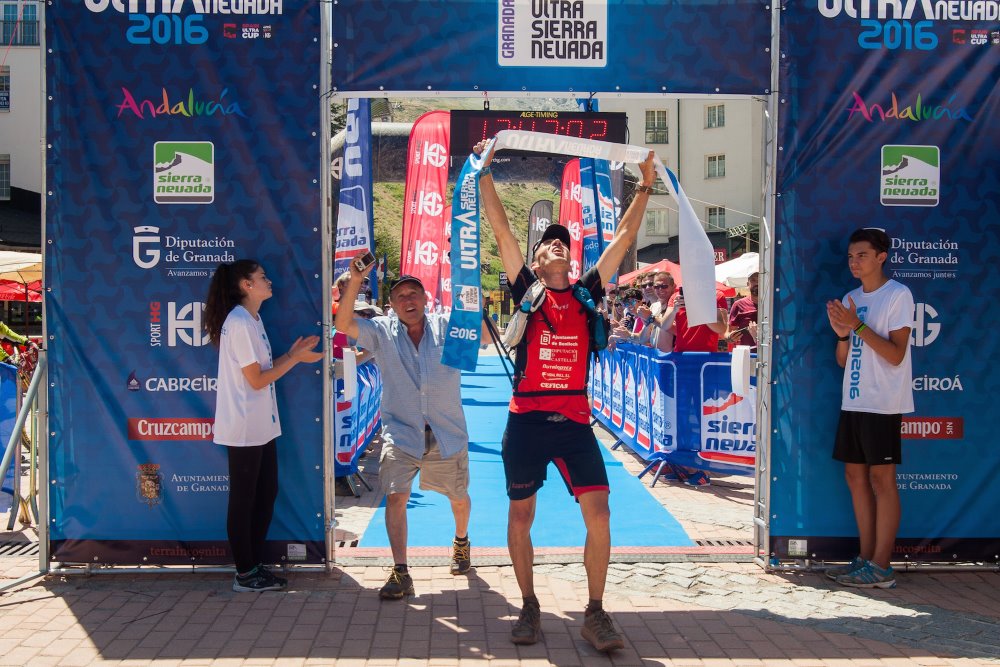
358 420
676 409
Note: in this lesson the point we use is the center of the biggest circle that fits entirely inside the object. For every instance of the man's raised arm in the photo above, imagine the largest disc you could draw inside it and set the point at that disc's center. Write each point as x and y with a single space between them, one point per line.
510 249
628 228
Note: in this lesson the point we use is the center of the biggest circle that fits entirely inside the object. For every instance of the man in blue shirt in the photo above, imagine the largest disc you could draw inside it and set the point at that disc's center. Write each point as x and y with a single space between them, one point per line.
423 422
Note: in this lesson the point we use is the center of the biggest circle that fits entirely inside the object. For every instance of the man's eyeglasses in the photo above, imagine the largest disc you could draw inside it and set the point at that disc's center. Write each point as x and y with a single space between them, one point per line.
662 286
648 286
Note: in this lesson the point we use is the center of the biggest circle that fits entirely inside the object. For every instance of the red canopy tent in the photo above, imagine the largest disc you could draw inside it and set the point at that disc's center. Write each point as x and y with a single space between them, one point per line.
675 271
12 290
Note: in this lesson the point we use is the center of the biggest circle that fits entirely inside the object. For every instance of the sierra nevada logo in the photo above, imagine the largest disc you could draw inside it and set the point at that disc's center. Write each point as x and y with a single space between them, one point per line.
910 176
183 172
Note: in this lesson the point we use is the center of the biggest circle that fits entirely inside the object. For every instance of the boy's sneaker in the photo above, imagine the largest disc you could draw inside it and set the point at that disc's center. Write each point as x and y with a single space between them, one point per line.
267 572
528 628
255 581
599 630
856 564
698 478
461 557
869 575
397 585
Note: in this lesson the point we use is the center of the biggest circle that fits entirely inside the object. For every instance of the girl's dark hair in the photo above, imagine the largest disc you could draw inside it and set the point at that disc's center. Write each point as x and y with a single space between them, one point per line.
224 294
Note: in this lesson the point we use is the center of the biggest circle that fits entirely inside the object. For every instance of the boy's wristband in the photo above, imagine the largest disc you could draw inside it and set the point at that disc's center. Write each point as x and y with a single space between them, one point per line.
861 327
844 339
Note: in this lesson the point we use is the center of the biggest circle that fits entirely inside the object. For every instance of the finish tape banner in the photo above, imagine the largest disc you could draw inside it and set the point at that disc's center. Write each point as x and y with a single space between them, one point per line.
358 420
677 407
179 140
901 135
541 45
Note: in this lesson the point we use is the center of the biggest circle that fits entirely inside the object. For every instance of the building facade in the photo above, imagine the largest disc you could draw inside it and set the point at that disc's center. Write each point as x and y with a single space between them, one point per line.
715 148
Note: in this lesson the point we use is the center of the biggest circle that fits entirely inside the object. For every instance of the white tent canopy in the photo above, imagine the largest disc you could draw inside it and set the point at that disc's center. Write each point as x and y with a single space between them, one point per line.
24 267
736 271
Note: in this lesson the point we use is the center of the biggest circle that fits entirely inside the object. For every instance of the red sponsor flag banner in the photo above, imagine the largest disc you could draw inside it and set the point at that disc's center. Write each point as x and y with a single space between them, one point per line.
444 266
425 213
571 215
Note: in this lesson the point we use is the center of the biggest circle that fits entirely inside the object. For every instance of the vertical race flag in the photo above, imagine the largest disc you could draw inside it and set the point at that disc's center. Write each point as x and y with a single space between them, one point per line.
424 202
571 215
588 197
461 345
539 218
355 223
607 213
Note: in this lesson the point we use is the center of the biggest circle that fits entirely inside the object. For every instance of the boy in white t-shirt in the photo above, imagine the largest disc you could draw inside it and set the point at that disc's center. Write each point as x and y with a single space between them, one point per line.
873 325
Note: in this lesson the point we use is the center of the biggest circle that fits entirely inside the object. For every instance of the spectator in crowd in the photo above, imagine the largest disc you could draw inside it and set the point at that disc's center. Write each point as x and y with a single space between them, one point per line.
246 412
742 314
872 324
700 338
16 338
424 425
549 419
645 283
658 330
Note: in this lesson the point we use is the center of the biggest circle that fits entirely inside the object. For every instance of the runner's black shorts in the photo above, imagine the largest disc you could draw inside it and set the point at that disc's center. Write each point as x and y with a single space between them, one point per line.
869 438
533 439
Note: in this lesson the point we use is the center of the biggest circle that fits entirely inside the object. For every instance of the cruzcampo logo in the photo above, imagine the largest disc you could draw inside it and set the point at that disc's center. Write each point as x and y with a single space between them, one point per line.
911 176
183 172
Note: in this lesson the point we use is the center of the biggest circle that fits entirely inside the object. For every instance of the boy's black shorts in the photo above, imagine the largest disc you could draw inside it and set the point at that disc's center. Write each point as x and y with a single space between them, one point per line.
533 439
869 438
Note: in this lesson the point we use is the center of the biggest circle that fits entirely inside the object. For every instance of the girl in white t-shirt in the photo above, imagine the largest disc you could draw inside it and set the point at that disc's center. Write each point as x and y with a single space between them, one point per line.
246 412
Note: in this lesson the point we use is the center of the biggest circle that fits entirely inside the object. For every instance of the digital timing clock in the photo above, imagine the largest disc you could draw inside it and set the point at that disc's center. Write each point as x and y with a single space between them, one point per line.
468 128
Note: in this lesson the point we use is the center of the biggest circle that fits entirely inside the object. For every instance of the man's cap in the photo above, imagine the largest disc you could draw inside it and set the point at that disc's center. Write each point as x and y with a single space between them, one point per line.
365 307
552 232
405 279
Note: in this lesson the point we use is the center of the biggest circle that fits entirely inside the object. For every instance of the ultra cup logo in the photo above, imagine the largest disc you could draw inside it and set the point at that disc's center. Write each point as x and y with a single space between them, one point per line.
184 325
908 25
181 257
183 172
910 176
149 484
925 329
552 33
933 259
178 428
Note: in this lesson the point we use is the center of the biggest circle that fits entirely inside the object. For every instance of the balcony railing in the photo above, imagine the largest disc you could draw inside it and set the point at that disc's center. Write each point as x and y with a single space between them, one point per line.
18 33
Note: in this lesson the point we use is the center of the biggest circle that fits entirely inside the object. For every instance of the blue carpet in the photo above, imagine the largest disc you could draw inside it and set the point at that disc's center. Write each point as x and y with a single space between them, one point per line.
637 519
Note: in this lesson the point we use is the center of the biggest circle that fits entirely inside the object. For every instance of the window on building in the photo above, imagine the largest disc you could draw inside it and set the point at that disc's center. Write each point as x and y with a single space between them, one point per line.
4 88
656 223
9 24
715 115
656 126
29 25
4 177
715 166
716 216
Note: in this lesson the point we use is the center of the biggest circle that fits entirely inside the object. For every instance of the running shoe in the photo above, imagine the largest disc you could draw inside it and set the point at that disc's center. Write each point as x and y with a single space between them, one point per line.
840 570
869 575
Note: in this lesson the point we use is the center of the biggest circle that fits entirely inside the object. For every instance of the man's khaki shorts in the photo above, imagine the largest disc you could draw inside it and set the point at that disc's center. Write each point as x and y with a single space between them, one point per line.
449 477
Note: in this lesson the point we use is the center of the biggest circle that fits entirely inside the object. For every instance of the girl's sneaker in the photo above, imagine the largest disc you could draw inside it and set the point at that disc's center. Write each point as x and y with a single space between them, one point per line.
841 570
869 575
255 581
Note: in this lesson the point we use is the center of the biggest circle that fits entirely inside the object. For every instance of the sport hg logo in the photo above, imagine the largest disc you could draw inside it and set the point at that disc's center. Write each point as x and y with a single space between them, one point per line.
183 324
183 172
425 252
146 246
925 330
435 155
910 176
431 204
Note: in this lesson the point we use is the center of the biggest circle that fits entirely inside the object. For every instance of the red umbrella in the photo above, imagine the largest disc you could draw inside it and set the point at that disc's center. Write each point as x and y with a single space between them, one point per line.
13 290
675 271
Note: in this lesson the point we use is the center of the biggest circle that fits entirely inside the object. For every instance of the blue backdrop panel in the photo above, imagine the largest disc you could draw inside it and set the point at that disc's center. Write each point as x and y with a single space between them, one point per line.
889 121
637 519
8 414
634 46
177 141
